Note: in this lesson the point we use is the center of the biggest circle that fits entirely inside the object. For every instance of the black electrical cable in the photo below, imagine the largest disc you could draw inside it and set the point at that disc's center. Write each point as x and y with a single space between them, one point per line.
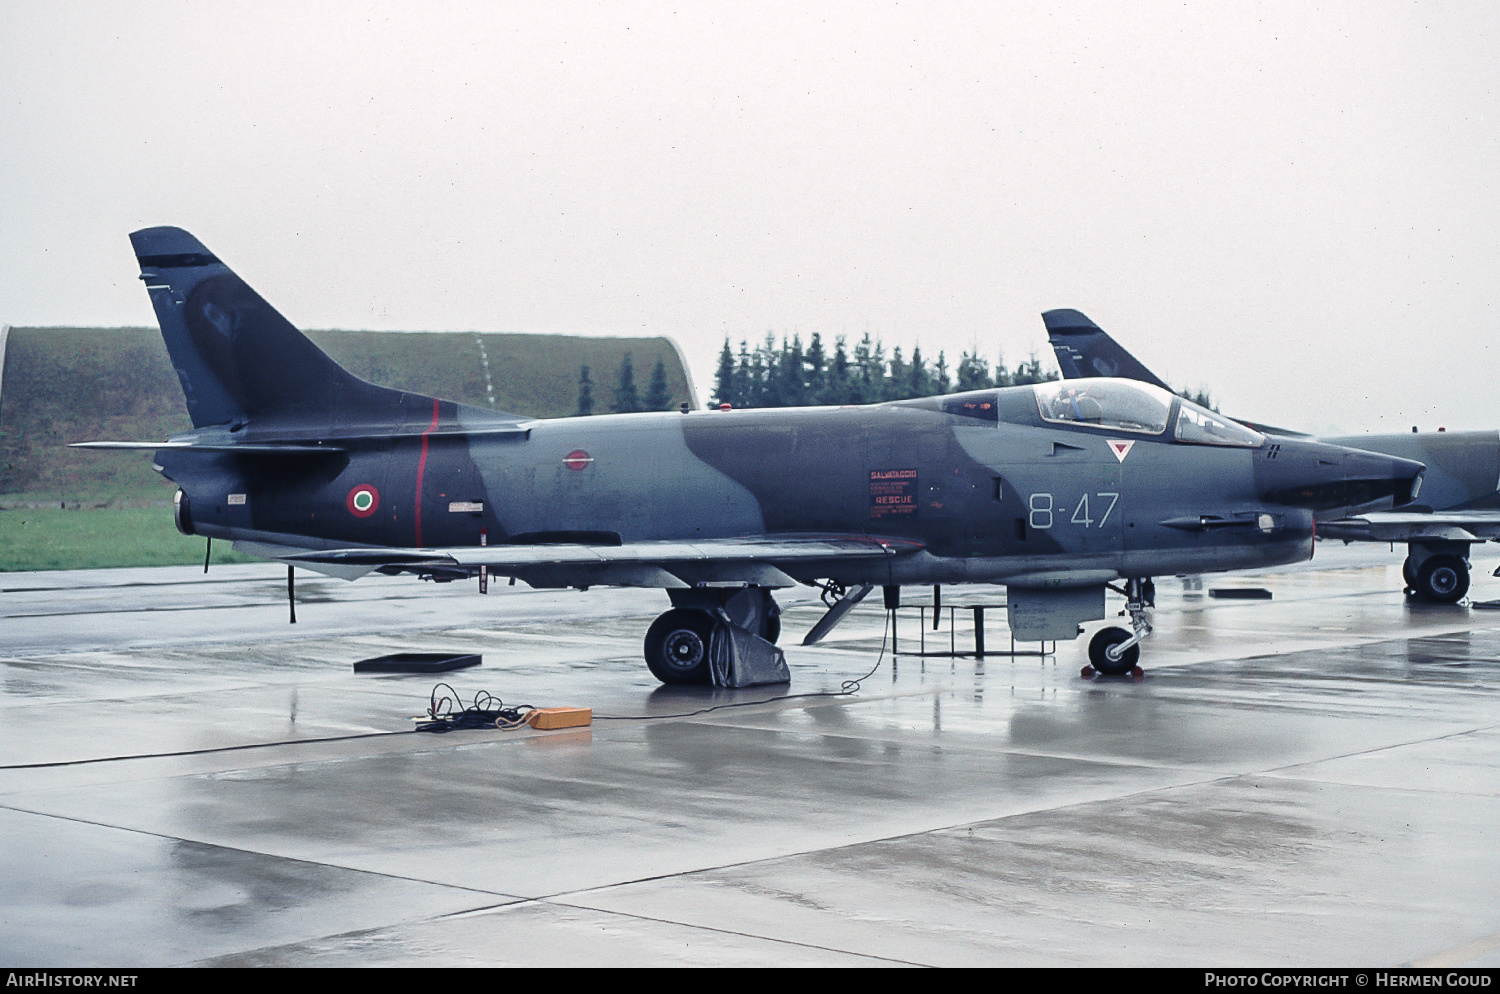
201 752
487 711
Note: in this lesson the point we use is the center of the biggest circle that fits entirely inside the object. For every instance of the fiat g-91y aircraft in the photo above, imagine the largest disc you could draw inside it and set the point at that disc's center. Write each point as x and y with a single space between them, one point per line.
1054 490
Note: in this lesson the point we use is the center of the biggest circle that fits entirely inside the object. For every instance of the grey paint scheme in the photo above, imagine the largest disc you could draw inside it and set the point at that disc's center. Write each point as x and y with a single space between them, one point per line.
643 482
323 470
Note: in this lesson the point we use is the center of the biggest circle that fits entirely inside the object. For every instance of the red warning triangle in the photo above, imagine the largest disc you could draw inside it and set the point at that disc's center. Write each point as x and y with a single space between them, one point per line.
1120 447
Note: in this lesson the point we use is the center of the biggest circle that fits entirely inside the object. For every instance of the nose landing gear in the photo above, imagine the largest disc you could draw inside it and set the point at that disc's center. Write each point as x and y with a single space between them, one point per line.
1115 652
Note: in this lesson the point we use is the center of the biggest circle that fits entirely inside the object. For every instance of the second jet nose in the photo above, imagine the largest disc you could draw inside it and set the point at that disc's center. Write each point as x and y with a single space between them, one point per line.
1332 479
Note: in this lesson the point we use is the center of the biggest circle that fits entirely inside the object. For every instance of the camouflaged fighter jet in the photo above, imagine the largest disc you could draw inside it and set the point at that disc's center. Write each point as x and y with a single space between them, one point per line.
1053 490
1460 491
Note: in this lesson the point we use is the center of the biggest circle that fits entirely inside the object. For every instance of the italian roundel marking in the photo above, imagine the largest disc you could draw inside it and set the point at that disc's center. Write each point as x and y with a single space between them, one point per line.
578 460
363 500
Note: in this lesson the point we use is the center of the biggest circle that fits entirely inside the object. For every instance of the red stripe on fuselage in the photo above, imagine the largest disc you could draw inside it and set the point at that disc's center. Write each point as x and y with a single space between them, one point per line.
422 470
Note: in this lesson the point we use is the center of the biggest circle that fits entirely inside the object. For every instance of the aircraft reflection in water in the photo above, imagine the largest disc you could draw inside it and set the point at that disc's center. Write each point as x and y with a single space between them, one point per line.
1460 491
1054 490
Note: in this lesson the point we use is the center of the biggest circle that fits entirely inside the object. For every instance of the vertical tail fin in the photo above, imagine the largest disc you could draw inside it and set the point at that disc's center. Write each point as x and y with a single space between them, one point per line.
238 359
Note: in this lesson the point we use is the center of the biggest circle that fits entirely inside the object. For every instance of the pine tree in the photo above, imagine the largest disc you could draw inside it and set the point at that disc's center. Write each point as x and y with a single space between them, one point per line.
724 378
659 395
627 401
585 393
791 383
743 377
919 380
1030 371
837 390
895 385
973 373
1003 376
817 373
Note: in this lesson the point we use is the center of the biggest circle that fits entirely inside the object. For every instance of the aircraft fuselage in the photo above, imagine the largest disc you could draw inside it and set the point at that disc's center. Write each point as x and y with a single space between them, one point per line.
1002 498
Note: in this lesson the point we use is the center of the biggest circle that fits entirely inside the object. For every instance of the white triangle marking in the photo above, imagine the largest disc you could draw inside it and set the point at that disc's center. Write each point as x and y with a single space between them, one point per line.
1120 447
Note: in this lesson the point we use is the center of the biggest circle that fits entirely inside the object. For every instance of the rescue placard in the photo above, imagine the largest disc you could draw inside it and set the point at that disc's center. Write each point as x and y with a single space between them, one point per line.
893 493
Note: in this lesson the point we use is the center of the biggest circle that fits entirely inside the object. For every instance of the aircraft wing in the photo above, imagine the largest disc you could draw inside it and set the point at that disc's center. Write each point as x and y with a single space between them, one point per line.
760 560
1406 526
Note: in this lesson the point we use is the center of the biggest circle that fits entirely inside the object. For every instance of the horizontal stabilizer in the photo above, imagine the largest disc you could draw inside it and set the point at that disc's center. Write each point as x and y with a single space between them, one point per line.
323 442
368 432
242 449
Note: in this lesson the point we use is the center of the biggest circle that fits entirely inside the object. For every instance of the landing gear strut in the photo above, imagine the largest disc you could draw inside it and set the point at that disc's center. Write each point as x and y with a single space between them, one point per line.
1114 651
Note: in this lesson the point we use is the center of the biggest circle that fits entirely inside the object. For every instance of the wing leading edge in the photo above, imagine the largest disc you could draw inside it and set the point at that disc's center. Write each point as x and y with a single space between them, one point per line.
708 562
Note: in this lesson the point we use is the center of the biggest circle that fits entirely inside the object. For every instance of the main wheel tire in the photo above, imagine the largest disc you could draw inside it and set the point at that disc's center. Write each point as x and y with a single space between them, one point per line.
677 646
1106 639
1444 579
1408 573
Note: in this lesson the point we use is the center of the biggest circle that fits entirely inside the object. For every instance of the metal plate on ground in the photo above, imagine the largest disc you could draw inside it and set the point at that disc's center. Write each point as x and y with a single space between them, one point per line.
1240 593
418 662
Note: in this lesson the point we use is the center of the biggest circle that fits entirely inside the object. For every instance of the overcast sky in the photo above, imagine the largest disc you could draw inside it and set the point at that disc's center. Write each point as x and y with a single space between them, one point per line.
1292 204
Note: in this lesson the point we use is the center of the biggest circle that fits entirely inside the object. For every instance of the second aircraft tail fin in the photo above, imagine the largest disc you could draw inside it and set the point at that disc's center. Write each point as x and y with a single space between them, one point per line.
1084 350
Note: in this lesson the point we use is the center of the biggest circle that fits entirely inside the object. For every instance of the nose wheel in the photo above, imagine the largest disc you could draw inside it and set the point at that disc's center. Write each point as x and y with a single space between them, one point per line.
1115 652
1109 655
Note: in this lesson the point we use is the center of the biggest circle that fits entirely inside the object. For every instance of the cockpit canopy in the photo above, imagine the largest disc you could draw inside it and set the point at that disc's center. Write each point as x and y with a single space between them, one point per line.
1128 405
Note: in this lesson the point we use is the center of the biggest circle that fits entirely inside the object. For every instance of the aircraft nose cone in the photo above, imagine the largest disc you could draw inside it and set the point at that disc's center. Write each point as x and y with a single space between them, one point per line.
1323 478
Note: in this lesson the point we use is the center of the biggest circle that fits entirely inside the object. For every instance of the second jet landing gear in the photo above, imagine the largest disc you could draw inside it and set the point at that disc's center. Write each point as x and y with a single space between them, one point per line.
724 637
1437 571
1114 651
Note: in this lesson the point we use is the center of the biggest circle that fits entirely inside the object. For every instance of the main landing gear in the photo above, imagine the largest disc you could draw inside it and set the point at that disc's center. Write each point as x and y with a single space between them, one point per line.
724 637
677 646
1114 651
1437 571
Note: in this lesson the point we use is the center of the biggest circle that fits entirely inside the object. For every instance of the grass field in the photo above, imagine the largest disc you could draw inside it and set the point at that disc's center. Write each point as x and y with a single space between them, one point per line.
52 538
